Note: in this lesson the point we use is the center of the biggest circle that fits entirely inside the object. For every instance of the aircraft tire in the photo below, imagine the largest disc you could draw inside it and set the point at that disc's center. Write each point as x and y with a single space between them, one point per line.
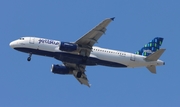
29 59
79 74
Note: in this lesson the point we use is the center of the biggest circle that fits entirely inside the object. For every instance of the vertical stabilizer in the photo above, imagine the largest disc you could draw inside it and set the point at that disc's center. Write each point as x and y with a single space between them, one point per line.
151 47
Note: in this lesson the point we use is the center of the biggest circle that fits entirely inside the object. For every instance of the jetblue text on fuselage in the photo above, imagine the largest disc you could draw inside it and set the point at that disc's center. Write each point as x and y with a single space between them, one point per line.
48 41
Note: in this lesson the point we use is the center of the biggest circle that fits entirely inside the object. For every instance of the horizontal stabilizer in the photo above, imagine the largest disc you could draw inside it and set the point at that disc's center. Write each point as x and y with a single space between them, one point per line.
152 69
155 56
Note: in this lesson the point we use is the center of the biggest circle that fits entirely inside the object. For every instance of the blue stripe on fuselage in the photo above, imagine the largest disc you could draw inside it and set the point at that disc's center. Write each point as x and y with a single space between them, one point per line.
71 58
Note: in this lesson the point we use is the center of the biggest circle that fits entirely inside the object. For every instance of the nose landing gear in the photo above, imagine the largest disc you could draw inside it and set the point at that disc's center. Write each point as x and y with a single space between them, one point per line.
29 58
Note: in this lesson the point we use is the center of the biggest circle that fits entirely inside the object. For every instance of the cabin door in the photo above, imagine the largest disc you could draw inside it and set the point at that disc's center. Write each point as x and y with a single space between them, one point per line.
132 57
31 40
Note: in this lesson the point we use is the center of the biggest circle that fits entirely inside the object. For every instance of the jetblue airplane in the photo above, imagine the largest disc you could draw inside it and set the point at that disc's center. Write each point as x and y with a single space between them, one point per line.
81 53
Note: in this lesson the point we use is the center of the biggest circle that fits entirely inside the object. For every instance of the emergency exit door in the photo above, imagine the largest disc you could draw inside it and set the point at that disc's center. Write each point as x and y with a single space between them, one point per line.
132 57
31 40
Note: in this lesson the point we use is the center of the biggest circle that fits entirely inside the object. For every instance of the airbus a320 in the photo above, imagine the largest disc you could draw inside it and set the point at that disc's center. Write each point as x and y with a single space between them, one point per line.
75 56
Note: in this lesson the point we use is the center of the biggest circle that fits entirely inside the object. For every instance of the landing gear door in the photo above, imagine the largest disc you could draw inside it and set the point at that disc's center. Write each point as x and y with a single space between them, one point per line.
31 40
132 57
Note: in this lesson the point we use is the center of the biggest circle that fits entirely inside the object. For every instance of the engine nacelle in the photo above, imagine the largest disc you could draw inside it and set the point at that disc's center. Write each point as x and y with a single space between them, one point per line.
67 46
59 69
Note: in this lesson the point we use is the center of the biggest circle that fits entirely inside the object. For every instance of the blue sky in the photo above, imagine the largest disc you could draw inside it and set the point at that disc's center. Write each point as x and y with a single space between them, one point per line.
27 84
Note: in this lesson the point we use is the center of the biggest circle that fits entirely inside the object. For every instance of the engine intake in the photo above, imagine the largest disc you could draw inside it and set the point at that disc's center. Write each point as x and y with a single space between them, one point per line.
59 69
67 46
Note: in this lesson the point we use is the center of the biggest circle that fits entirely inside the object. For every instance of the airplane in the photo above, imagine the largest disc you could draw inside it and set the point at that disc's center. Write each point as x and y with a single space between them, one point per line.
75 56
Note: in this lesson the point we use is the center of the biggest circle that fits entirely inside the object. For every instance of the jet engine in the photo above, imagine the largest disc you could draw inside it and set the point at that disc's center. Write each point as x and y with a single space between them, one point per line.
67 46
60 69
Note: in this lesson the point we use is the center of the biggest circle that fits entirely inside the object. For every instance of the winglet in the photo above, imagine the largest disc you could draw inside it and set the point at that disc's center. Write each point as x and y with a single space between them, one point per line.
112 18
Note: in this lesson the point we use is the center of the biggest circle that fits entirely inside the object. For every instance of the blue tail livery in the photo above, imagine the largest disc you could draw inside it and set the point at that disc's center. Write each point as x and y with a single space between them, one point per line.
151 47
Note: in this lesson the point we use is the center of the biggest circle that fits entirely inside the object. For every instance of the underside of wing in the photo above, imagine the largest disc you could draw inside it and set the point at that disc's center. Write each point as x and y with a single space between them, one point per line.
93 35
76 68
89 39
83 79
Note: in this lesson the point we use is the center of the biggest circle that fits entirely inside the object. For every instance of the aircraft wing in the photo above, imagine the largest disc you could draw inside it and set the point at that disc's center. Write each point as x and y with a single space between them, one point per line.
85 43
90 38
83 79
76 68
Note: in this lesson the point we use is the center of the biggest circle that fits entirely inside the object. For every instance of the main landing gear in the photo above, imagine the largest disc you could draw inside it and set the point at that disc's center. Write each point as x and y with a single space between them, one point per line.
29 58
79 74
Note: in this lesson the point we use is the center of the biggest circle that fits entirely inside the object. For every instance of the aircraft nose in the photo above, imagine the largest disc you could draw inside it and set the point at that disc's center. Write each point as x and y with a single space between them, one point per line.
12 44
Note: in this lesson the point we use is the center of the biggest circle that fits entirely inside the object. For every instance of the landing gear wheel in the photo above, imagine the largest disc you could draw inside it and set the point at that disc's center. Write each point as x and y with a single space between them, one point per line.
29 59
79 74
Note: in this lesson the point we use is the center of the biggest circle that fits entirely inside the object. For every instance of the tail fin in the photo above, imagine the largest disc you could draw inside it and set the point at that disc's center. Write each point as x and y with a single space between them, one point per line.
151 47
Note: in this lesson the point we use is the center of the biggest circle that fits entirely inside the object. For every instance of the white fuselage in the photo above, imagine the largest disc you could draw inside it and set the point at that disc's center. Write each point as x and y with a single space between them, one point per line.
98 56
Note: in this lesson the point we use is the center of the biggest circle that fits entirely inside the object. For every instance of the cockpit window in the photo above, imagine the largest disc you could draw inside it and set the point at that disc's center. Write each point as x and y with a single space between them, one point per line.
21 38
